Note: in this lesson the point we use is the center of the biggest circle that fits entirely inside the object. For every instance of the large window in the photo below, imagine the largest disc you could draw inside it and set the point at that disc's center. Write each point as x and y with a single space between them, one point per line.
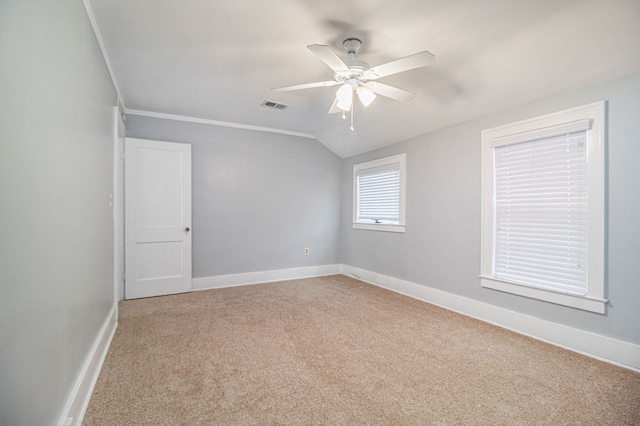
543 208
378 194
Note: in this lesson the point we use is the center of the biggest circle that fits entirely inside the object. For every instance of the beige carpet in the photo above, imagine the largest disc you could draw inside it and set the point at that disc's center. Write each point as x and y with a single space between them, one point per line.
334 350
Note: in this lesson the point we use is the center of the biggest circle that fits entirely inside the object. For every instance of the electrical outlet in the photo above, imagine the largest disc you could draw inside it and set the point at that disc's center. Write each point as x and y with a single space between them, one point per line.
306 251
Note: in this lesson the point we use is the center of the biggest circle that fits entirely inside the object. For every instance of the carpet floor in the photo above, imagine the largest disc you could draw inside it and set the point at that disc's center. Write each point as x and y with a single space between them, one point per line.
334 350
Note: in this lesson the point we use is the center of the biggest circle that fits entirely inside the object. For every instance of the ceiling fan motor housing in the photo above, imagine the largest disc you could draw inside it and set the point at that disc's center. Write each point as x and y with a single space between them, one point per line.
355 71
357 66
354 74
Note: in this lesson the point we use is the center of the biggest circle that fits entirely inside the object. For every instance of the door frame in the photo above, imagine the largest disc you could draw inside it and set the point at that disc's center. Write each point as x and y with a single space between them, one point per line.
117 199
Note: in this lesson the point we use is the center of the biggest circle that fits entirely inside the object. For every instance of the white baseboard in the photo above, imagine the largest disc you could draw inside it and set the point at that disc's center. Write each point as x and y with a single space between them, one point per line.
233 280
604 348
78 399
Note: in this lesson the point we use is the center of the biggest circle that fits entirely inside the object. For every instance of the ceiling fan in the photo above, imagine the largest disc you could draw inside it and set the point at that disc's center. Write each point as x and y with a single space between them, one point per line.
357 77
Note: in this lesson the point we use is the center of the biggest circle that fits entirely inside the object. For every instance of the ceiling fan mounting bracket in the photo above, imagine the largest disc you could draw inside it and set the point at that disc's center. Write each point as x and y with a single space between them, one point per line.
352 45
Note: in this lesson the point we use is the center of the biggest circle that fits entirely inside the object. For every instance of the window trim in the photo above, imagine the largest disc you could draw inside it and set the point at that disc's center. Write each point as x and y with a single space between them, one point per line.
591 116
399 159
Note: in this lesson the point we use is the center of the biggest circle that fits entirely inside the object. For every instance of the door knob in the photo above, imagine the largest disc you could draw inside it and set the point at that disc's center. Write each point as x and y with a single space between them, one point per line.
187 229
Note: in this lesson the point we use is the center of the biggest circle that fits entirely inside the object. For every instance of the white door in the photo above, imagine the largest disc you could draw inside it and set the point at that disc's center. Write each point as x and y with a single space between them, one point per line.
157 218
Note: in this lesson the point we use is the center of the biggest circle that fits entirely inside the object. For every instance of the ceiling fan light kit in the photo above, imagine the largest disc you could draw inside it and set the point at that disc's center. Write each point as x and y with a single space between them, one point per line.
366 96
344 95
356 76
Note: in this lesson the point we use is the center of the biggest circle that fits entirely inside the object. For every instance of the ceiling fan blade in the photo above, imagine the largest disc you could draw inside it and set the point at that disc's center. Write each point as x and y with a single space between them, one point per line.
400 65
390 92
328 56
334 107
306 86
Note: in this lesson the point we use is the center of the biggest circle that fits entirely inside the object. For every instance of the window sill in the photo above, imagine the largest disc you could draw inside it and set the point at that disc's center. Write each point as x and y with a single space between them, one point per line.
379 227
579 302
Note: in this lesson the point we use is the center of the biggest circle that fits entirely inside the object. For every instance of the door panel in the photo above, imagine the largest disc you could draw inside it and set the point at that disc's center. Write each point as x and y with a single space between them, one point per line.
157 218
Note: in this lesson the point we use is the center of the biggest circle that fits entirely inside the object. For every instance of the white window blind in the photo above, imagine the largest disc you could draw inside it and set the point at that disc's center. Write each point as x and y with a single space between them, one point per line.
378 194
540 213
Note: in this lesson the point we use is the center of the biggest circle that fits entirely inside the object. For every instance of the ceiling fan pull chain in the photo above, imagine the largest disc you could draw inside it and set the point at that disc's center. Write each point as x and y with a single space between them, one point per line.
352 108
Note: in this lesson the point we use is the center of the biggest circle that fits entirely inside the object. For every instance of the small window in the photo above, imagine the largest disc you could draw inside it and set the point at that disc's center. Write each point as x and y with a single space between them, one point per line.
378 194
543 208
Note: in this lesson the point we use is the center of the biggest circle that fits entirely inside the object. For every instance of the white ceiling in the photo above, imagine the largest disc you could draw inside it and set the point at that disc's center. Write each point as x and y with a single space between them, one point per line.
218 59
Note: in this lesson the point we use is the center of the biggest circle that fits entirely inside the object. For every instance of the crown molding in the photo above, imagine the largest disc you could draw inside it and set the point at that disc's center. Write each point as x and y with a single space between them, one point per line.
103 50
216 123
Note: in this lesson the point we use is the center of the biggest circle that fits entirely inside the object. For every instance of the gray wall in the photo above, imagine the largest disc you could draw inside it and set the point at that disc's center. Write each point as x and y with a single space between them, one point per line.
56 172
258 198
441 246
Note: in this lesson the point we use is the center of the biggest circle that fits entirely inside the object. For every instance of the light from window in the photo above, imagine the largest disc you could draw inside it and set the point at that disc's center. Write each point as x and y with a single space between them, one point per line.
543 208
379 194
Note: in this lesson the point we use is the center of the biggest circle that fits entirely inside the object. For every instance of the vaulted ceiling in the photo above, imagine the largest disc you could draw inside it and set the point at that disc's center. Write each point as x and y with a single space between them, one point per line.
218 59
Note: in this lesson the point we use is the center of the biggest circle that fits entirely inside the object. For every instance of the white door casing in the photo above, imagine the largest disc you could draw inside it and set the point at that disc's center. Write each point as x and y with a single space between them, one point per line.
118 205
157 218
